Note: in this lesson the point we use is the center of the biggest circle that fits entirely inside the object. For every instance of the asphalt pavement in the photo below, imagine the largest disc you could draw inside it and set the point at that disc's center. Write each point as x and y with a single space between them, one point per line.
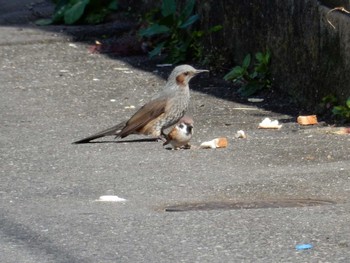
253 201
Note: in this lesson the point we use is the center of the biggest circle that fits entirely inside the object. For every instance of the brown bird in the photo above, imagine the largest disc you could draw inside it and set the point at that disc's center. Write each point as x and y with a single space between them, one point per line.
160 113
181 134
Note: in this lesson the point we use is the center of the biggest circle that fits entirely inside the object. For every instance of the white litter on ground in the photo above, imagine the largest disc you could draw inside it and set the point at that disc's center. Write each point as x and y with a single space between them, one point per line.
216 143
110 198
72 45
164 65
240 134
267 123
255 100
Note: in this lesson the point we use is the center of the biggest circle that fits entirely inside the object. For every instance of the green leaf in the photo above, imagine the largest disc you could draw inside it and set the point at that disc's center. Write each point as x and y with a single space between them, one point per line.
253 75
329 99
235 73
154 30
246 61
44 22
188 9
338 110
168 7
348 102
197 34
62 3
259 56
157 50
58 16
74 13
190 21
215 28
263 58
261 68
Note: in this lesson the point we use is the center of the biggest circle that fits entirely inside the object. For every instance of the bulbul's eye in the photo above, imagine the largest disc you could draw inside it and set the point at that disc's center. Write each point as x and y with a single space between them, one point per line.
186 73
181 126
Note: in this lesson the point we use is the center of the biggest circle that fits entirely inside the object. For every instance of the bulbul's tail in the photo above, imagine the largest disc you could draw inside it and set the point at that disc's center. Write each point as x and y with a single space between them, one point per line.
108 132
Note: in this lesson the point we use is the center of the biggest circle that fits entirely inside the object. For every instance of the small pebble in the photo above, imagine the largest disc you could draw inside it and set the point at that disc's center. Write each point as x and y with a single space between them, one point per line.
130 107
122 69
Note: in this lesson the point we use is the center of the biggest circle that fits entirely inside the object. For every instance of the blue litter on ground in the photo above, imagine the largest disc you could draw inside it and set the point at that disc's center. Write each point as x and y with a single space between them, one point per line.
303 246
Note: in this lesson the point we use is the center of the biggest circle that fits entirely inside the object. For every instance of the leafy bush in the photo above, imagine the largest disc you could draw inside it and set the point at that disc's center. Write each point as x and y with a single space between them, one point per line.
342 111
80 11
172 32
252 80
339 112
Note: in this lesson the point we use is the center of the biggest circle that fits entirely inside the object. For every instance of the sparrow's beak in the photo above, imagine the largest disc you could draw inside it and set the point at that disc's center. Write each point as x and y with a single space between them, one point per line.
189 128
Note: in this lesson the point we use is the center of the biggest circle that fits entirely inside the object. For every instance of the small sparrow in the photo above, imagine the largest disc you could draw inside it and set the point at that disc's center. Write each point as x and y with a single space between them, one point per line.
181 134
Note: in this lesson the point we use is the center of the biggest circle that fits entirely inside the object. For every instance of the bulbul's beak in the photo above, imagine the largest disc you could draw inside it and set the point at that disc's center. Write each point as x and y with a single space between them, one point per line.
200 71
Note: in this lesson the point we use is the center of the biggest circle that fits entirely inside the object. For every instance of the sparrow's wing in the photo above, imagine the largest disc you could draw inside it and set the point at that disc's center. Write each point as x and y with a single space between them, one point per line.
170 136
144 117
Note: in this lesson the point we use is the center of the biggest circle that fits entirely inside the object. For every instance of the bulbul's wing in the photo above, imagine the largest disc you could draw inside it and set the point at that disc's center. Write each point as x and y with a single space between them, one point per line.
137 123
110 131
145 116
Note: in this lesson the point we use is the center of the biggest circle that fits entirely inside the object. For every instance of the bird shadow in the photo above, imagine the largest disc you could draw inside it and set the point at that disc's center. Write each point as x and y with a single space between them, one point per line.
124 141
134 141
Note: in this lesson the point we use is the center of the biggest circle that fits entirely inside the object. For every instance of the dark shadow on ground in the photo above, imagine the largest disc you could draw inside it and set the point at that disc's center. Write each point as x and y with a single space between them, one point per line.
121 141
36 243
23 13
